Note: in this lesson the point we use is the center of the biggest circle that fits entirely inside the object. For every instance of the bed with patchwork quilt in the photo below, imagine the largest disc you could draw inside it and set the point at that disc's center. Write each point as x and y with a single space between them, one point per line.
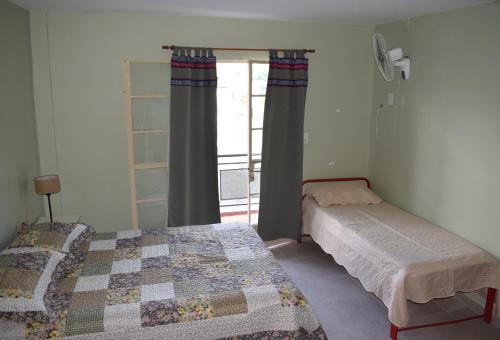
197 282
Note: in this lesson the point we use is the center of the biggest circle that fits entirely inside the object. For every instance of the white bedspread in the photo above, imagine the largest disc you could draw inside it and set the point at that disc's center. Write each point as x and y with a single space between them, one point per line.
398 256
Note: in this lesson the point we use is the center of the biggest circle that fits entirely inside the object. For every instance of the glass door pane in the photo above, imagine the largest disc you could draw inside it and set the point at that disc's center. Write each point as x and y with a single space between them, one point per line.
240 102
259 75
256 144
232 140
258 111
259 78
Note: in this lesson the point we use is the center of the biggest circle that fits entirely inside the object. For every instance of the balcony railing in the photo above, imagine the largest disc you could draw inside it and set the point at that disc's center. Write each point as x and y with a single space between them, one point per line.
233 185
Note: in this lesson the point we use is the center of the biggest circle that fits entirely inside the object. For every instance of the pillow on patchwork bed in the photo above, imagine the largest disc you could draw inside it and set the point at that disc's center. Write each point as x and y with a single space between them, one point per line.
56 236
343 193
25 275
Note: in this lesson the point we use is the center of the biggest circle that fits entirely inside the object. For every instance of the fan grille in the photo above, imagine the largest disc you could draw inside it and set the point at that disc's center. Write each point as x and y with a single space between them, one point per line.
382 59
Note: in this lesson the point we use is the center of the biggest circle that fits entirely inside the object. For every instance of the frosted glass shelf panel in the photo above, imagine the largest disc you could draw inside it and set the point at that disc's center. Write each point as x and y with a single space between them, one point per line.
150 113
151 215
149 78
151 183
150 148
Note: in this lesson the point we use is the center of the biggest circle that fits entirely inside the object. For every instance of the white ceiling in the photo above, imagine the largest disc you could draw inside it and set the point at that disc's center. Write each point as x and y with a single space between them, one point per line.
347 11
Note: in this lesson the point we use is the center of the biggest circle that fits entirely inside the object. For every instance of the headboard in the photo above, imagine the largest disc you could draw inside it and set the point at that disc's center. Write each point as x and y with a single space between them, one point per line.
338 179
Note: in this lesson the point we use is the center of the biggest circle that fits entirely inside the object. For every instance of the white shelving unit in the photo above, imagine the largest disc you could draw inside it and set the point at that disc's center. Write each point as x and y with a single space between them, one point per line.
147 89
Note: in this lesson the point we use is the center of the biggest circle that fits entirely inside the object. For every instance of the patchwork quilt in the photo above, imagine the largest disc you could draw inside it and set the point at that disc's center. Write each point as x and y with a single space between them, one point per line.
25 274
196 282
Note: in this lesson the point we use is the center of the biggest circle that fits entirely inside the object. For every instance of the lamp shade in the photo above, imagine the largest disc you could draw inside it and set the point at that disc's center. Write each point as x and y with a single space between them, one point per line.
48 184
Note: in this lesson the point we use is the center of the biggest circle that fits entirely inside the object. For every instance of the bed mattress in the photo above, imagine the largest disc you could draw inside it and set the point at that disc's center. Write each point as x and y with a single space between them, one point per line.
398 256
197 282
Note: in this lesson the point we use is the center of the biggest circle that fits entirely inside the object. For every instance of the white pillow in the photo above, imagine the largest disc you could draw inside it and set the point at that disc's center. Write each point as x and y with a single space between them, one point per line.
342 193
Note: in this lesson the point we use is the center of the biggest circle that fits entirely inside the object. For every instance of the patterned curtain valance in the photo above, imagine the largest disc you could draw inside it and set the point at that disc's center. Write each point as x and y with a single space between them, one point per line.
198 51
193 66
289 70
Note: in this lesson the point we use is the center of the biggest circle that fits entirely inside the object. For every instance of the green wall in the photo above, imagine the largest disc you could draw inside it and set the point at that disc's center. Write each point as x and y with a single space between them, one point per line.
18 145
80 110
436 153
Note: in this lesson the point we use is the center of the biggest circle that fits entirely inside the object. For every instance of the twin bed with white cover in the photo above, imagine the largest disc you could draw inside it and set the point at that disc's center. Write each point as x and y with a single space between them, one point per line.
398 256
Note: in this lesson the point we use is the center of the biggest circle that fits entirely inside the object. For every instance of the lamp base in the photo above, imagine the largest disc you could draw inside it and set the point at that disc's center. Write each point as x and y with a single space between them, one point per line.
50 209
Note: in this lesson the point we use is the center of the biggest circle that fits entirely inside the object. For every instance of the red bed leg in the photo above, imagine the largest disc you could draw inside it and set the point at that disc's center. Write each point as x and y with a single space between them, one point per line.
488 308
299 240
394 332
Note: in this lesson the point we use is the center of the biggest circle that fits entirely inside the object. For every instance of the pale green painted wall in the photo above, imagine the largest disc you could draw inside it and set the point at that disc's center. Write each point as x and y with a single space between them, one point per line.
82 132
18 145
438 155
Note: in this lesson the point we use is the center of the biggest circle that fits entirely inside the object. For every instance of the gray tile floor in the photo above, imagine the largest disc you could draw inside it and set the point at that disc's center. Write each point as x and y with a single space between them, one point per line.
348 312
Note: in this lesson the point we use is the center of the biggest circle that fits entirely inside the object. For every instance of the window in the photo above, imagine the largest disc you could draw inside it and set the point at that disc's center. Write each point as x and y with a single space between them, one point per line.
240 98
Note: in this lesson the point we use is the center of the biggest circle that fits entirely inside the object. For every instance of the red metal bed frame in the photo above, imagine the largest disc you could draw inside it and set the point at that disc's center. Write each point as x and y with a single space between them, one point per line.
487 314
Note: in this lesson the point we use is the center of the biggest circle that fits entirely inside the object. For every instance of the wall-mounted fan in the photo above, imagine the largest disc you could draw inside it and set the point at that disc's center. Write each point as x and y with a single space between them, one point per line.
388 59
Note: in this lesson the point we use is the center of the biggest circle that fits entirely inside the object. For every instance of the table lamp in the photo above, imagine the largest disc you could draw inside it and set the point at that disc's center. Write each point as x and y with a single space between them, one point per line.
47 185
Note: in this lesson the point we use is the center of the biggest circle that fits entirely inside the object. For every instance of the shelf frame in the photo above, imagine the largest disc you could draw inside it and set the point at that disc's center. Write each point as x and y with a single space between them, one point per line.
132 166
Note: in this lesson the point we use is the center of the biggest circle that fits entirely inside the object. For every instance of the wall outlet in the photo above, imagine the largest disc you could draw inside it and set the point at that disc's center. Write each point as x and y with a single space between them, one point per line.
331 163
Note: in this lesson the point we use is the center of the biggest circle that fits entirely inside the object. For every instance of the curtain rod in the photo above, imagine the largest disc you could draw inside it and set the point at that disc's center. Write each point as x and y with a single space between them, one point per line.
172 47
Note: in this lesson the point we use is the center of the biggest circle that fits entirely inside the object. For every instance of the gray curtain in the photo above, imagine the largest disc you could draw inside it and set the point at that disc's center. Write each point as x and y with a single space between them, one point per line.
193 196
280 208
